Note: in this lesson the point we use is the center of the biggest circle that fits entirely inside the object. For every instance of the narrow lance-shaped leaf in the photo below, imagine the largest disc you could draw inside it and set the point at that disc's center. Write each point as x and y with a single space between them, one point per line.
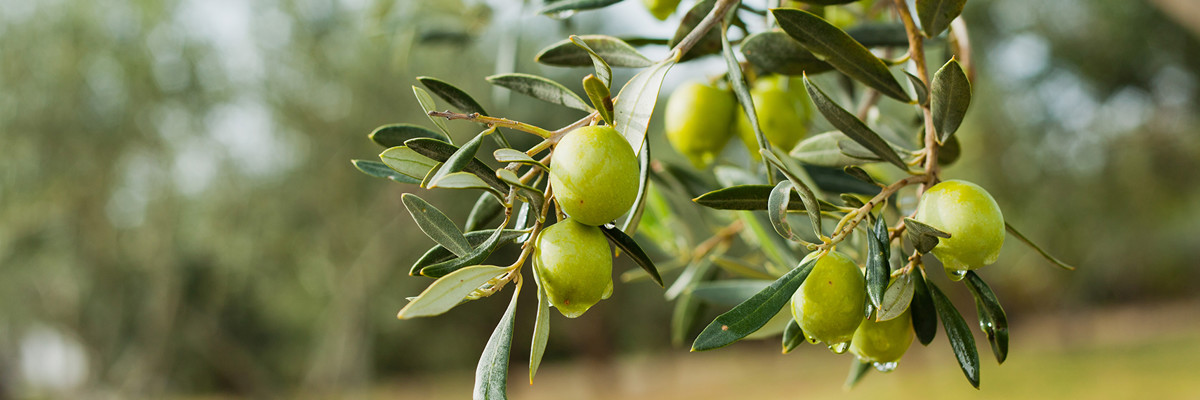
753 313
922 237
777 205
427 104
822 150
635 103
540 88
614 51
600 97
436 225
567 6
851 126
878 267
709 44
485 210
683 316
918 87
491 375
959 335
381 170
760 236
806 194
460 100
541 328
638 208
839 50
477 255
438 150
792 336
1030 243
603 71
751 198
438 253
951 97
729 292
777 52
394 135
460 158
463 180
924 314
630 247
693 273
992 320
447 292
936 15
734 76
858 370
897 298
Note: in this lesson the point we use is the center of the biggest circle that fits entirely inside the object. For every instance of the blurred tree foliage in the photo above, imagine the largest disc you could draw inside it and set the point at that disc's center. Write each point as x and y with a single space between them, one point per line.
177 198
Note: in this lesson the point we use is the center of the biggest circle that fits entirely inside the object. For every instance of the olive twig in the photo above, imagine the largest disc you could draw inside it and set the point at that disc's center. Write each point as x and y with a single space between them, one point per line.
711 20
916 50
493 122
853 218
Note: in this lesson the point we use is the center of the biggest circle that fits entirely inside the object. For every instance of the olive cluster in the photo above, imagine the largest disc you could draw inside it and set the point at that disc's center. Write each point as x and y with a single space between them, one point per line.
701 118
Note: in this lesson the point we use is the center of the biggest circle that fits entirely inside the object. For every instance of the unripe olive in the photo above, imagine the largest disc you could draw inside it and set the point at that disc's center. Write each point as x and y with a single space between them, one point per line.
972 218
574 263
783 115
594 175
661 9
884 341
698 120
829 305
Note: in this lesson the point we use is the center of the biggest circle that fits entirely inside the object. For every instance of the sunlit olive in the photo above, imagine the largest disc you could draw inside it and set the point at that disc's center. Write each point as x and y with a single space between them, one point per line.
698 120
884 341
783 114
972 218
661 9
594 175
574 263
829 305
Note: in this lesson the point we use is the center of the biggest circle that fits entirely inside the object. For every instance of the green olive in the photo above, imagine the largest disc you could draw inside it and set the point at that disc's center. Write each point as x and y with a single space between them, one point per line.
661 9
594 175
574 263
972 218
884 341
698 120
829 305
783 115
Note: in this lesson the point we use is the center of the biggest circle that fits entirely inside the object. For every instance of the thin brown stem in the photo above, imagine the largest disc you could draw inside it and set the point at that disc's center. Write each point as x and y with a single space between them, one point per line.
493 121
711 20
846 226
916 50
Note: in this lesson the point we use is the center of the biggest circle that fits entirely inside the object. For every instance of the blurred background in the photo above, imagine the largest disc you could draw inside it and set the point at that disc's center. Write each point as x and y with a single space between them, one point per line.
179 217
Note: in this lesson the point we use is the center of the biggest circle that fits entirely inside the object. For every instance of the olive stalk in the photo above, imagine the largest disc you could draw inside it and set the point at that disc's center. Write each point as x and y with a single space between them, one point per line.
916 51
853 218
493 122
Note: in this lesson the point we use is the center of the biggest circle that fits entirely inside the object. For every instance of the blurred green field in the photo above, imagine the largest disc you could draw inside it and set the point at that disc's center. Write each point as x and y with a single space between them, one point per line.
1145 352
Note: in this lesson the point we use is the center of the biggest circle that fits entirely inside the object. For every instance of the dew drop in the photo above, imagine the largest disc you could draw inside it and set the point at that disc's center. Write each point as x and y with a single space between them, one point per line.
956 274
562 14
885 367
989 329
839 347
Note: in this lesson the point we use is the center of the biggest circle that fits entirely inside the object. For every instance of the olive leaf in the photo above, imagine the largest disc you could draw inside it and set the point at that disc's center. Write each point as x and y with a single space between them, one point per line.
806 195
460 100
447 292
729 292
629 246
491 374
427 104
959 335
858 370
639 201
440 151
541 328
992 320
461 157
615 52
408 163
822 150
757 234
752 314
777 209
485 210
438 254
792 336
936 15
918 87
540 88
775 51
750 197
837 48
924 315
436 225
922 237
394 135
878 267
683 317
477 255
1033 245
734 76
951 97
600 97
897 298
567 6
851 126
709 44
603 71
635 103
381 170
